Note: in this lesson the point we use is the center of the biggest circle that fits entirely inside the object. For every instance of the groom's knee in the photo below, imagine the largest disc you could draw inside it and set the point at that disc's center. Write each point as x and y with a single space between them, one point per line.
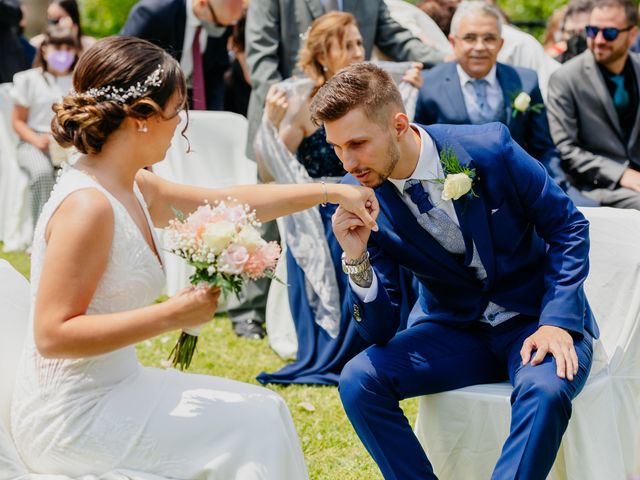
358 380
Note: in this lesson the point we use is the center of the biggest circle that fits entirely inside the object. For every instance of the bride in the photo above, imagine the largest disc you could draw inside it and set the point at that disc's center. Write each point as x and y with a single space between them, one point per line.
83 404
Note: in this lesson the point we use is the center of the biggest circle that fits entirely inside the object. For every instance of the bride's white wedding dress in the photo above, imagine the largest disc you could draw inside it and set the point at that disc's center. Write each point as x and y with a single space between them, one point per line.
104 413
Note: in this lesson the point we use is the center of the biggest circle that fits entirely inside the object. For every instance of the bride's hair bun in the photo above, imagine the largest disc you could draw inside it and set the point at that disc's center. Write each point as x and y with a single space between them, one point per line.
85 123
118 77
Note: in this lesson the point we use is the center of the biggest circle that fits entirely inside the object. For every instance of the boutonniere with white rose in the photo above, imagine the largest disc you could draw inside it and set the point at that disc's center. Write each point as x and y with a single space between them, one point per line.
522 102
459 179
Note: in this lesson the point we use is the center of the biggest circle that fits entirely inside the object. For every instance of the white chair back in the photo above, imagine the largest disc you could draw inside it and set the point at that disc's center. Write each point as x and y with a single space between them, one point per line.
217 159
15 214
14 318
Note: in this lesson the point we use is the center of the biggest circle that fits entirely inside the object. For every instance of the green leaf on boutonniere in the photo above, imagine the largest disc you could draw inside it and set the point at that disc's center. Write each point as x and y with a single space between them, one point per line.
454 186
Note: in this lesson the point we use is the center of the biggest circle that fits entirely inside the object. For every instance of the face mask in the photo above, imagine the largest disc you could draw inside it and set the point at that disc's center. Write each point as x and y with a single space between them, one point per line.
212 29
61 60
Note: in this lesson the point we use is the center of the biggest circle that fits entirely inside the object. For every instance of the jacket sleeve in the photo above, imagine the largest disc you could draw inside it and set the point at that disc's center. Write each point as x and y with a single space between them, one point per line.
399 43
562 109
564 229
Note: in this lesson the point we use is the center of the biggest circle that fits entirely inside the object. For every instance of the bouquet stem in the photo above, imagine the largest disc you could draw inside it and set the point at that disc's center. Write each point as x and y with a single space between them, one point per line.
183 351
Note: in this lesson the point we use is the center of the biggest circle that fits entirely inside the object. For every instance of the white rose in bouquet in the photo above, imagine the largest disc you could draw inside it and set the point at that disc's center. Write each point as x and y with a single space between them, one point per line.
217 236
250 238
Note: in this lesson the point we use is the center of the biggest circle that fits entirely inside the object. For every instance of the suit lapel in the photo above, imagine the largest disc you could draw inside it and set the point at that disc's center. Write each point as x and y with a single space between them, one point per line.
471 212
511 86
399 214
315 7
635 132
454 97
592 72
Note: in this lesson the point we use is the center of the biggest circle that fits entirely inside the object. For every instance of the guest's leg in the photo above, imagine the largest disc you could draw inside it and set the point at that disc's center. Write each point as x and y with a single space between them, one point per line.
540 412
426 358
41 175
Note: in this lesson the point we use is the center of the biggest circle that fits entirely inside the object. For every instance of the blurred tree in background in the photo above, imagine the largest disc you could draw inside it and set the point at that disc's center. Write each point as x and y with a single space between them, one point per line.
101 18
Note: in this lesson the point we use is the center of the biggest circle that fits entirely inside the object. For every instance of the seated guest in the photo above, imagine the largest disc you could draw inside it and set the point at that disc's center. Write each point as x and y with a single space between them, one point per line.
575 20
66 13
34 92
593 109
477 89
327 338
501 259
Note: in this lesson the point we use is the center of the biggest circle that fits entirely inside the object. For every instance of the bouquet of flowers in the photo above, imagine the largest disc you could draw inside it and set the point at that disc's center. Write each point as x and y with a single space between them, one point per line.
222 243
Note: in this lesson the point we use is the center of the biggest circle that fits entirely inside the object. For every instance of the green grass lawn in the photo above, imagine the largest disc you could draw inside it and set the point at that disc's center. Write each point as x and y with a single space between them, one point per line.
331 448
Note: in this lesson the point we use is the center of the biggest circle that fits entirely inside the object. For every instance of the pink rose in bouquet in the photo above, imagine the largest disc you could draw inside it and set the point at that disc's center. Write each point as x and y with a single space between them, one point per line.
223 244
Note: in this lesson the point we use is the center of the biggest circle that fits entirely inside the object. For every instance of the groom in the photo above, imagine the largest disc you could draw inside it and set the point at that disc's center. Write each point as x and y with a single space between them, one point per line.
500 266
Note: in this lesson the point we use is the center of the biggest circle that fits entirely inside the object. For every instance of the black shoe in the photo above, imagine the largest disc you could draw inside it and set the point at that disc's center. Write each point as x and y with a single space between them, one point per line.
249 329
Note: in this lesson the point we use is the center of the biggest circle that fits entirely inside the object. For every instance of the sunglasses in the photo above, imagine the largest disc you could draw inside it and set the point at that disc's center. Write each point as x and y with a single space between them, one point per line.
608 33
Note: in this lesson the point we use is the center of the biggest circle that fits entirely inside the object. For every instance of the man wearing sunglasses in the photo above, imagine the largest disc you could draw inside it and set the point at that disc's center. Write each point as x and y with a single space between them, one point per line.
593 108
195 32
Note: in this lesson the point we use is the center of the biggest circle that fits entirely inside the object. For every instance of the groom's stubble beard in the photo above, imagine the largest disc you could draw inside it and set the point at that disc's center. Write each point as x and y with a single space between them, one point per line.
392 157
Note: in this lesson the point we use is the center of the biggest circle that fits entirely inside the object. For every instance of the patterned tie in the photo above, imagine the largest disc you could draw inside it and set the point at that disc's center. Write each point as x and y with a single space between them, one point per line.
486 114
620 95
197 80
434 220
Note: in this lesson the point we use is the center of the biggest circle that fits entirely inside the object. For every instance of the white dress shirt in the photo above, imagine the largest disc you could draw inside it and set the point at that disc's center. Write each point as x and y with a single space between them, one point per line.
186 60
494 90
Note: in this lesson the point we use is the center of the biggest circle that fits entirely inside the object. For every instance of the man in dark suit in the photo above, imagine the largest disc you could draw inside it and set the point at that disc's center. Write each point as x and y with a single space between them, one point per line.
594 113
12 58
500 253
477 89
174 26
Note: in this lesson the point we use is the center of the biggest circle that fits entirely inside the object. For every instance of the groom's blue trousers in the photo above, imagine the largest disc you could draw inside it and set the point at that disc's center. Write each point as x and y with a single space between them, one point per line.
430 358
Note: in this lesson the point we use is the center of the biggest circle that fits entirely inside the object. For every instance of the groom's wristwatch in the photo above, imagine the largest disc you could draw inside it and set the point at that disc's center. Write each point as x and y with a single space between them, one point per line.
357 266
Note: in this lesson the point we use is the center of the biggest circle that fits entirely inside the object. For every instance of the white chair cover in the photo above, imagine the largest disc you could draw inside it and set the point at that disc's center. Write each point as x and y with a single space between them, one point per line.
15 214
217 159
463 431
279 322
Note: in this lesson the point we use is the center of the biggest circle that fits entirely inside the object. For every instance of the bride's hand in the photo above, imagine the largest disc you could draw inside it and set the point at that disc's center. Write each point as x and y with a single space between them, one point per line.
360 201
194 306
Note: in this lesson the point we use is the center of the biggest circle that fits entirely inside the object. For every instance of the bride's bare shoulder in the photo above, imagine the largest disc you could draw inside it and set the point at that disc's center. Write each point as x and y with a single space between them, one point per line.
84 210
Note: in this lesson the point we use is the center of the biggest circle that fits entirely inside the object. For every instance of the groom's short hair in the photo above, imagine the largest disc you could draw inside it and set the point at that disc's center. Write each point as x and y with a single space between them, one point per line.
361 85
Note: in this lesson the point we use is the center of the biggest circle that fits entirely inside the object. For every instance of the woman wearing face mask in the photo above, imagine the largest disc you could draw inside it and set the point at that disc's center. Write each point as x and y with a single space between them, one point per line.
33 93
65 13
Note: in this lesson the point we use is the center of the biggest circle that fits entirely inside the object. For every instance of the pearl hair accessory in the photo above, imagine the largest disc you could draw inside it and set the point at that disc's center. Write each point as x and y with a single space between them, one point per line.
121 95
143 128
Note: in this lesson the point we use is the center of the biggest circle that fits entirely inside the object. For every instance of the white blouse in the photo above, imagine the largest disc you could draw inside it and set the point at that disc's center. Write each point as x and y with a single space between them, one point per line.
38 91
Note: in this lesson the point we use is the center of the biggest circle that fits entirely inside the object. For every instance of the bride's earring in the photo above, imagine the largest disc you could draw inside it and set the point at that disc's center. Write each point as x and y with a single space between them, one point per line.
325 68
143 128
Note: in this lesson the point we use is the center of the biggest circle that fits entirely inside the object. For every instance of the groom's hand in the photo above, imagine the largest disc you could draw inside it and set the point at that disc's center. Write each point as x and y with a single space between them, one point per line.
554 340
351 232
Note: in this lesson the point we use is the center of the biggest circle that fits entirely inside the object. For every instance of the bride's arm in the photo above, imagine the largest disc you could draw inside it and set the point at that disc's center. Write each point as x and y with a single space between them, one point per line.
79 237
270 201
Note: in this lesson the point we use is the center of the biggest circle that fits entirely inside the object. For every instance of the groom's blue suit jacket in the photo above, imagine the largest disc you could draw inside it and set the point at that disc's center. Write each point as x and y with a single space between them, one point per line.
532 241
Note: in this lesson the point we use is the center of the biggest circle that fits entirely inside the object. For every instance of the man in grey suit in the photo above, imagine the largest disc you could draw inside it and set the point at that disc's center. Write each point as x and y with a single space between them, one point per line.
273 32
593 108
